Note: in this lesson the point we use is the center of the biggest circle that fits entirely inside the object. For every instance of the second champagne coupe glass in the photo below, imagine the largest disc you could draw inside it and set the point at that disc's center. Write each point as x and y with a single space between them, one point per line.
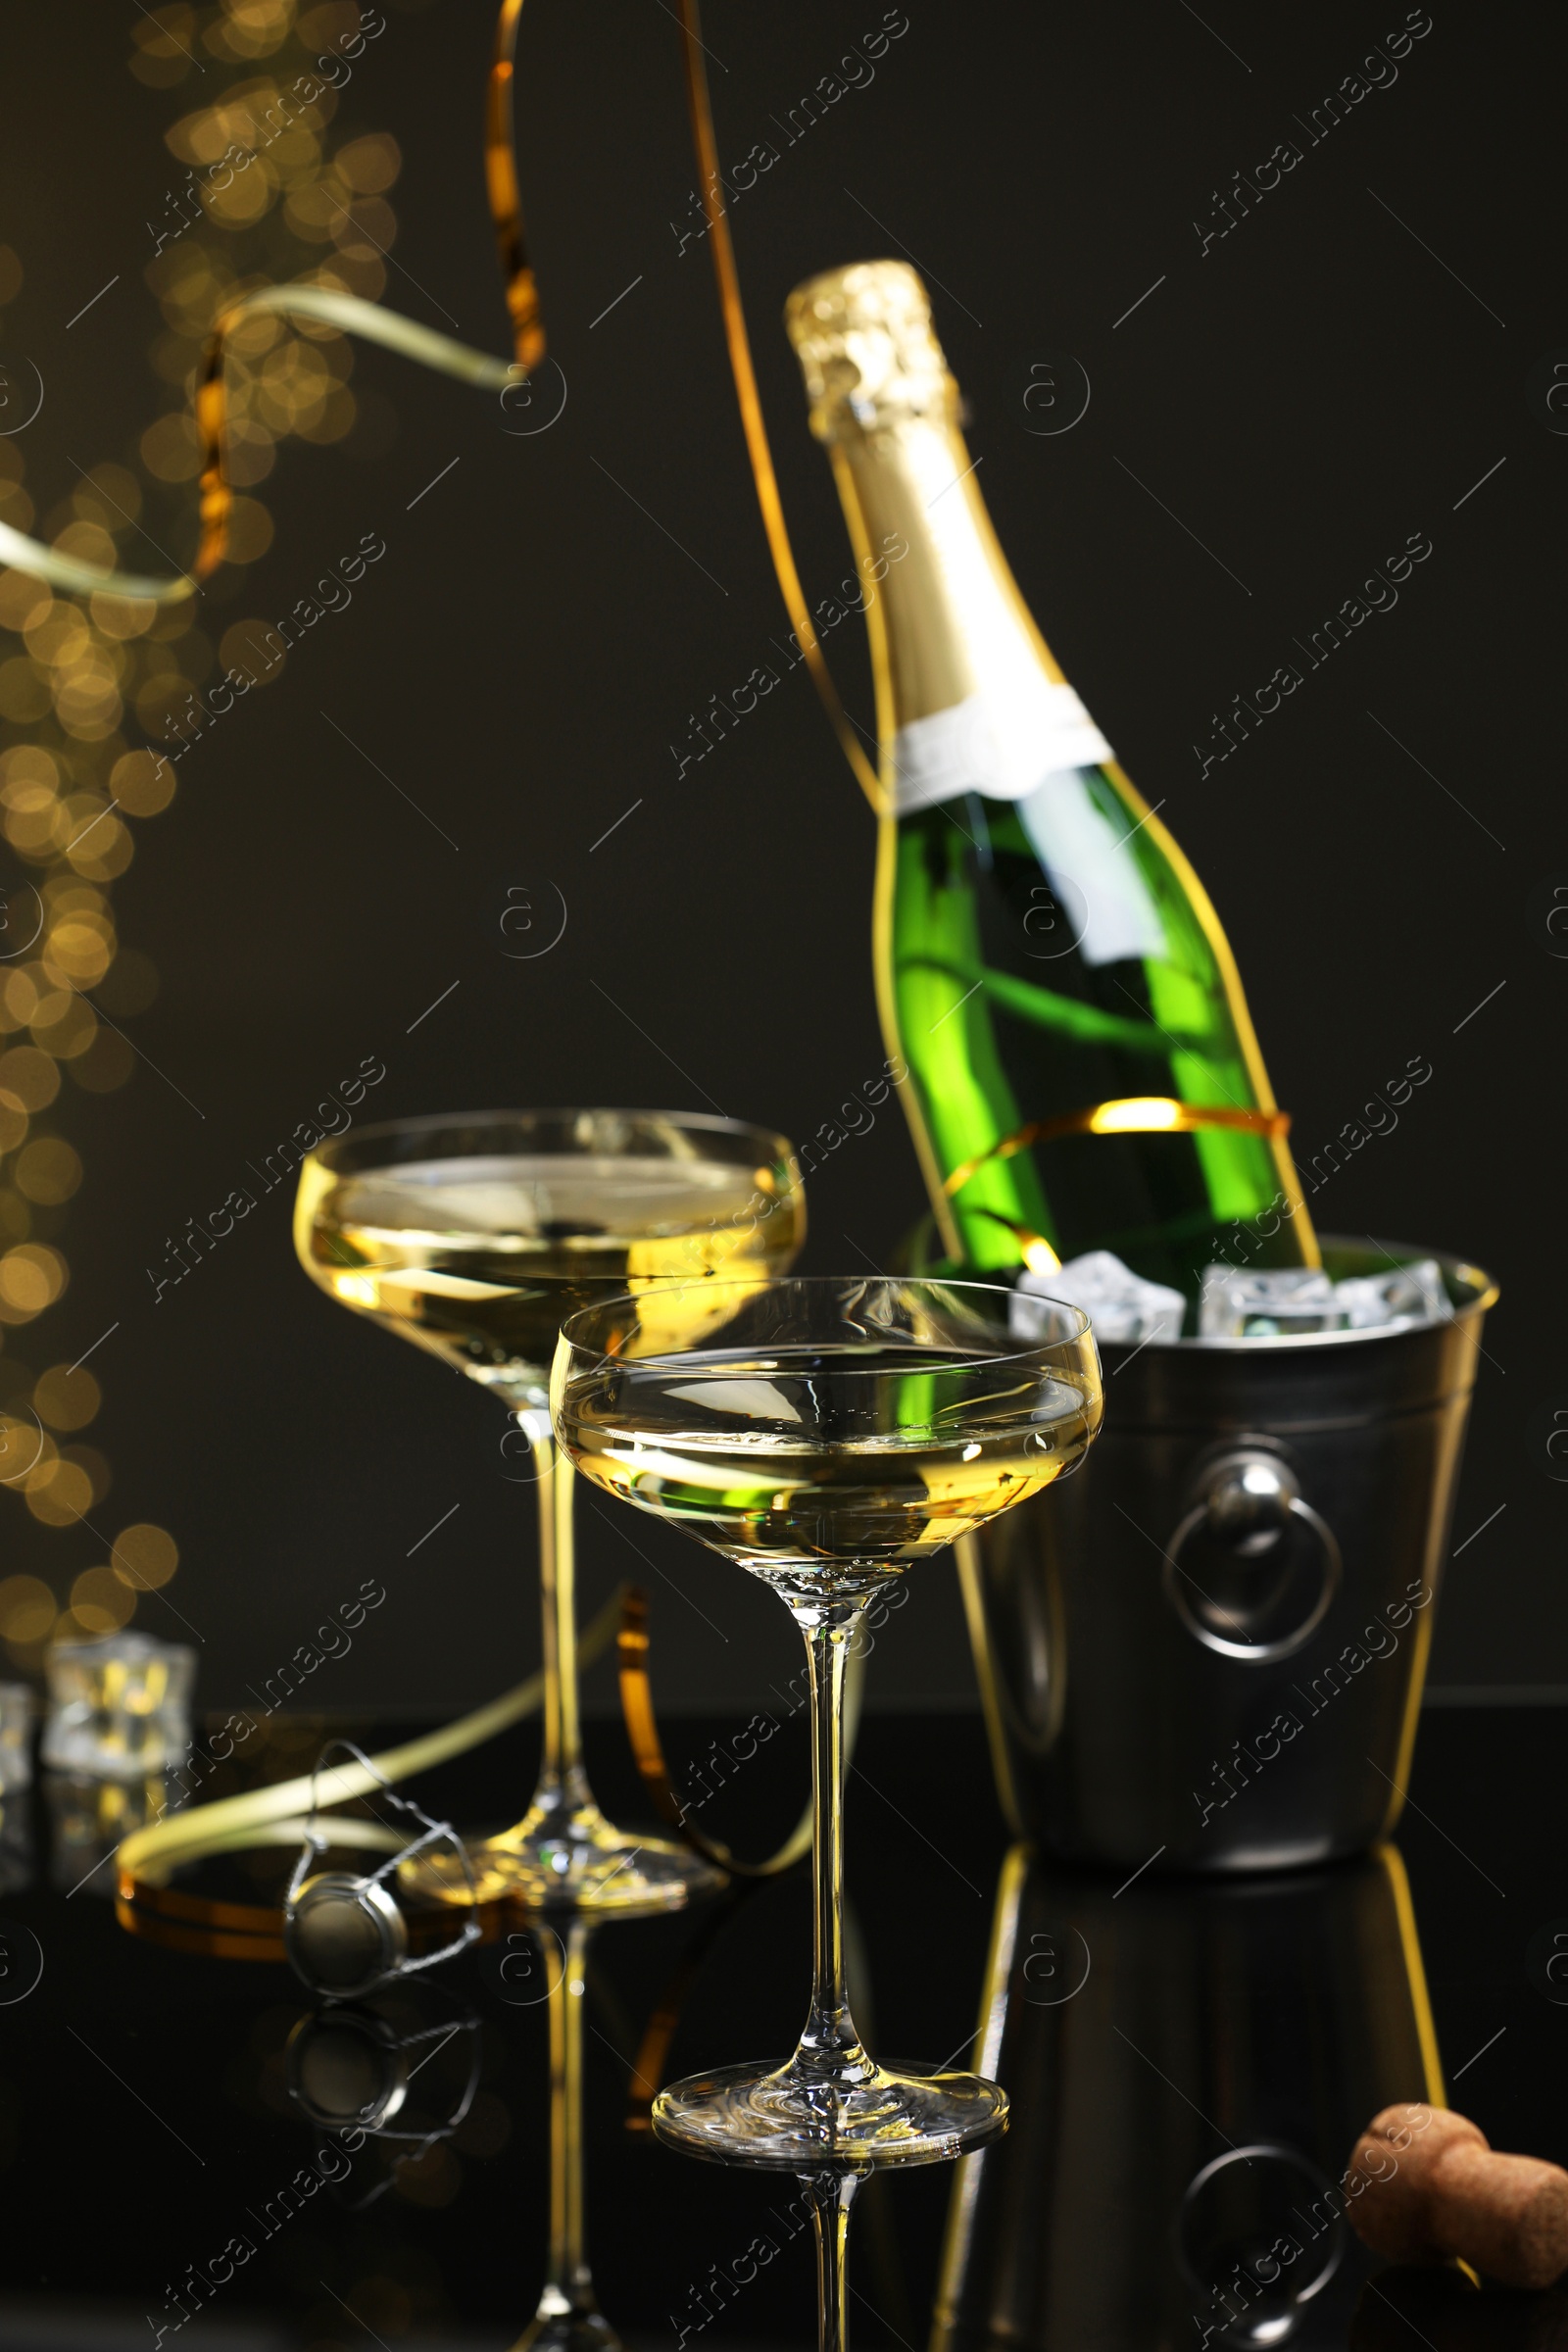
473 1237
832 1433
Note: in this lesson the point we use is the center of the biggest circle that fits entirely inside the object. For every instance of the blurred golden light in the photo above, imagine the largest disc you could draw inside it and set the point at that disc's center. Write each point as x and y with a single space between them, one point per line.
69 1033
21 598
32 1276
66 1396
24 697
49 1171
81 950
122 616
100 1603
141 783
27 1608
369 165
60 1494
29 1079
106 1064
145 1557
249 530
245 647
49 999
170 447
87 671
87 540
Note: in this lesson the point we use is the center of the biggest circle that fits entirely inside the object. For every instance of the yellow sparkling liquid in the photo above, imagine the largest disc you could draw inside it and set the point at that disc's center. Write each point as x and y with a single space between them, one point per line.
479 1260
822 1470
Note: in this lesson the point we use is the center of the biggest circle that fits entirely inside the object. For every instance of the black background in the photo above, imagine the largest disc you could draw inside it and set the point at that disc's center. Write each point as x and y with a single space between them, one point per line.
1304 396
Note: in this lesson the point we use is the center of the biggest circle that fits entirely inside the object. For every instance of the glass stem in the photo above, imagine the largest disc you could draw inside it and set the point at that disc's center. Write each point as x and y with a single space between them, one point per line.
567 2286
833 2195
562 1782
829 2045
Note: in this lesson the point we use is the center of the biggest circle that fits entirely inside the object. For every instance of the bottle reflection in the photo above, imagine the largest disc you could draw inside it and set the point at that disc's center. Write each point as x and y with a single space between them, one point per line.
1188 2064
1447 2312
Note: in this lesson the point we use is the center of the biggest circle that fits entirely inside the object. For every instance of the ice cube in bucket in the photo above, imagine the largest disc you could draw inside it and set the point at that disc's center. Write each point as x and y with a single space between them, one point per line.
1403 1296
1120 1305
1237 1303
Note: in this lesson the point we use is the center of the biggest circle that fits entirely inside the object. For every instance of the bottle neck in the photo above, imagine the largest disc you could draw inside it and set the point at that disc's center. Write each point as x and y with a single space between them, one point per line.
969 697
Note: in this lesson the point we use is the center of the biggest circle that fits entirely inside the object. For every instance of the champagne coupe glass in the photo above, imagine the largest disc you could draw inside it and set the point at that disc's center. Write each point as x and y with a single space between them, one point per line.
472 1236
832 1431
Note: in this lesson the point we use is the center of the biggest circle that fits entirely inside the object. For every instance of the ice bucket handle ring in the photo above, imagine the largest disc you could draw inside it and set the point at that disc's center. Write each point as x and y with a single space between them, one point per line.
1250 1496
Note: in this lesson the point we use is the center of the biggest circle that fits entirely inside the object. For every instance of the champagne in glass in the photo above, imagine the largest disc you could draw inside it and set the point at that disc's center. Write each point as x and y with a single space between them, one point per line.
829 1434
473 1237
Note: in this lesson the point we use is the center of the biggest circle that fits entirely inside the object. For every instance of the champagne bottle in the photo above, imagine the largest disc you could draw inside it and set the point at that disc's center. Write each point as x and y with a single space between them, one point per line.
1083 1068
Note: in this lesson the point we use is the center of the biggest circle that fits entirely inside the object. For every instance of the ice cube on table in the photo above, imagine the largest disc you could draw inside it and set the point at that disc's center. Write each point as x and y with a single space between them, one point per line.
1266 1302
118 1707
16 1736
1120 1305
1397 1298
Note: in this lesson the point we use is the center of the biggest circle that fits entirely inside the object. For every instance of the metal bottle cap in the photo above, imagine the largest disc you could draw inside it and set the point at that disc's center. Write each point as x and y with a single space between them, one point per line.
344 1934
347 2070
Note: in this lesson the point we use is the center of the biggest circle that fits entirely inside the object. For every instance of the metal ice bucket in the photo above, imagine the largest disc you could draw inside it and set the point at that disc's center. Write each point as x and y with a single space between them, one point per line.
1205 1650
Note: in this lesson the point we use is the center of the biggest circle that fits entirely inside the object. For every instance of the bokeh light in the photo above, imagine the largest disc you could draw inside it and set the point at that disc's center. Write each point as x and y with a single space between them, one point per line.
266 183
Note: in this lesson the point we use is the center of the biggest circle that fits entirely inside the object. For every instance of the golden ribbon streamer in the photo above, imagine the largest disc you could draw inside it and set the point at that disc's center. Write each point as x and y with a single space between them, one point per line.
751 407
642 1730
1125 1114
505 202
276 1815
351 316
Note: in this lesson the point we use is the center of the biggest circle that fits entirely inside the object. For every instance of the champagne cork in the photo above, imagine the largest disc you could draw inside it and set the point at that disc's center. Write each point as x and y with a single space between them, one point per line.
1425 2185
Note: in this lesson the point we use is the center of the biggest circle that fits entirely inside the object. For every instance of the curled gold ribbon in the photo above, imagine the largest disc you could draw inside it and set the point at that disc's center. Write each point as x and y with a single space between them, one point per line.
1125 1114
642 1730
276 1814
751 421
505 202
351 315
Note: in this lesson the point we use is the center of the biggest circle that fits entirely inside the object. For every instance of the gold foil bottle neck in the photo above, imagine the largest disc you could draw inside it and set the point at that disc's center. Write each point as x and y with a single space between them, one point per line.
866 348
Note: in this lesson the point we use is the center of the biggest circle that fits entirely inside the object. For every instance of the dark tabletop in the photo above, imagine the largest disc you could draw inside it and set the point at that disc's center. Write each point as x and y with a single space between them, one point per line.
1186 2060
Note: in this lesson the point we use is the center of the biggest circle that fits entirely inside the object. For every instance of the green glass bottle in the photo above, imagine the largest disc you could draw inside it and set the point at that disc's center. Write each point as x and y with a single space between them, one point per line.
1084 1074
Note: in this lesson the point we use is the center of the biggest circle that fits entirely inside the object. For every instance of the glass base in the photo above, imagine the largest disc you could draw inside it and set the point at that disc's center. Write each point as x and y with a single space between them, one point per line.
565 1860
790 2120
563 2324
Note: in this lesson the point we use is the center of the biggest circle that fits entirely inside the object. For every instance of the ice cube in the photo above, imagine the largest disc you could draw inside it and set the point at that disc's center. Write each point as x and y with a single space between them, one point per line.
16 1736
1397 1298
120 1707
1119 1304
1236 1303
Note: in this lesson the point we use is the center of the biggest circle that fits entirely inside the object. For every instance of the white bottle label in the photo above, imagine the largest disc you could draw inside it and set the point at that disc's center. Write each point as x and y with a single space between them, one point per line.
999 745
1031 746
